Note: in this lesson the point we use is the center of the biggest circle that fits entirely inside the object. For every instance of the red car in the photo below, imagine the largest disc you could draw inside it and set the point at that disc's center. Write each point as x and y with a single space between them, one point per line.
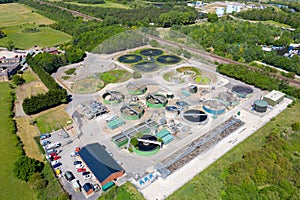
81 170
56 157
53 154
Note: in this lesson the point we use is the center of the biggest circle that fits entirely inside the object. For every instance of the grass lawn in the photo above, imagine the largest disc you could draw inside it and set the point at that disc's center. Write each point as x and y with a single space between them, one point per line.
115 76
87 85
45 37
194 69
29 76
126 191
203 80
29 89
14 14
210 183
52 119
107 4
27 132
10 187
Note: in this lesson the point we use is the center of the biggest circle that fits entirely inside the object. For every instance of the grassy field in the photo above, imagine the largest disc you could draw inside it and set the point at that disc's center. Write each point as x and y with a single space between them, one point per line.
10 187
27 132
29 76
14 14
49 120
45 37
210 183
115 76
14 18
29 89
126 191
107 4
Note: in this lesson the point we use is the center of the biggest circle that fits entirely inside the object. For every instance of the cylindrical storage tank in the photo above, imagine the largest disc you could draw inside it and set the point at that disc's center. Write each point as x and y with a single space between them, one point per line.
112 97
132 111
242 91
260 106
156 100
182 105
194 117
214 106
171 112
193 89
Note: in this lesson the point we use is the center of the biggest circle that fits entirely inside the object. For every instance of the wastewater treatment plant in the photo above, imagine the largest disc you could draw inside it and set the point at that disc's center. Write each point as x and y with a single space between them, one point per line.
155 110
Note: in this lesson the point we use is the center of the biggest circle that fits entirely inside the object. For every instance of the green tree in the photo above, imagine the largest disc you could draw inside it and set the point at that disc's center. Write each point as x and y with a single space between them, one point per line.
37 181
2 34
18 80
10 45
24 167
212 17
134 141
296 126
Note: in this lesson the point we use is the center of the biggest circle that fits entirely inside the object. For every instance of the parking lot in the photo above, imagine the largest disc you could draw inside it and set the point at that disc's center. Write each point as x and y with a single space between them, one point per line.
69 145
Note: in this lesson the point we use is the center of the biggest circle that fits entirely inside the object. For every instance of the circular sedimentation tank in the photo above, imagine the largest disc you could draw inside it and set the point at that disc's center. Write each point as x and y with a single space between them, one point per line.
156 100
112 97
145 146
260 106
171 112
195 117
182 105
130 58
168 59
214 106
136 89
229 98
146 66
151 52
132 111
242 91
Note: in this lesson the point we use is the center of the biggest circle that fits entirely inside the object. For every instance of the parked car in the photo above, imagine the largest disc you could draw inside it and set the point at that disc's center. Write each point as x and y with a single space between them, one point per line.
69 176
53 154
56 157
96 187
56 165
87 176
50 151
85 173
54 162
45 142
77 162
79 166
54 145
81 170
74 154
45 136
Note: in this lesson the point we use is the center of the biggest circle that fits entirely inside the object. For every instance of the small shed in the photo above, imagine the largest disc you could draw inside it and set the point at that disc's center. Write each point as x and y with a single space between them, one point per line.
273 98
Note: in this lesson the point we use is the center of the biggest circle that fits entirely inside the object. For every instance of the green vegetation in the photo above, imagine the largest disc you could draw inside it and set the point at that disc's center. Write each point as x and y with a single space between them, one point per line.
106 4
52 119
28 76
43 64
17 80
189 68
258 78
88 85
136 75
264 166
26 28
70 71
25 40
115 76
126 191
202 80
10 151
66 77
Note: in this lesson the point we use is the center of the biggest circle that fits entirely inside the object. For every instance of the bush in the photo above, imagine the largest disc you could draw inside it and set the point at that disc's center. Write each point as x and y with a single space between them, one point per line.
136 75
134 141
296 126
24 167
37 181
17 80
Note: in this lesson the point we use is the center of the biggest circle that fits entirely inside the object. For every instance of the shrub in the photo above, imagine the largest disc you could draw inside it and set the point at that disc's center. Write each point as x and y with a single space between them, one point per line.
134 141
24 167
296 126
136 75
17 80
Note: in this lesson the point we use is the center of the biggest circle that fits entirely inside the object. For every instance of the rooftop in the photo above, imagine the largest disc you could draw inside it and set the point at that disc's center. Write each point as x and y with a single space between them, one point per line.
275 95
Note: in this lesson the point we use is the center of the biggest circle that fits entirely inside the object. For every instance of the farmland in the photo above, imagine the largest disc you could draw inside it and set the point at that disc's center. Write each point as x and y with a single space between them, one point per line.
26 28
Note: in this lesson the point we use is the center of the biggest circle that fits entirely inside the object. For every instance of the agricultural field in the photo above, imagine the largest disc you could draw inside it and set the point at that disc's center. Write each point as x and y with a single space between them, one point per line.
52 119
211 183
22 26
10 187
107 4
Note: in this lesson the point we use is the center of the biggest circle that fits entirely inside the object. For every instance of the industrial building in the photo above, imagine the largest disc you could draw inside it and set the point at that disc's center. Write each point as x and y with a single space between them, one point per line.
101 164
273 98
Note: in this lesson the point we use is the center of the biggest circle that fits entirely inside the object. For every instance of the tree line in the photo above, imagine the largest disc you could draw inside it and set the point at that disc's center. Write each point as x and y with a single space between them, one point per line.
258 78
43 65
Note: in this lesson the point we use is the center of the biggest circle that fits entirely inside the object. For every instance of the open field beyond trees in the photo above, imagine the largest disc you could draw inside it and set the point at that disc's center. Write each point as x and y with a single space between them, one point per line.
126 191
27 133
52 119
22 26
107 4
10 187
213 182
